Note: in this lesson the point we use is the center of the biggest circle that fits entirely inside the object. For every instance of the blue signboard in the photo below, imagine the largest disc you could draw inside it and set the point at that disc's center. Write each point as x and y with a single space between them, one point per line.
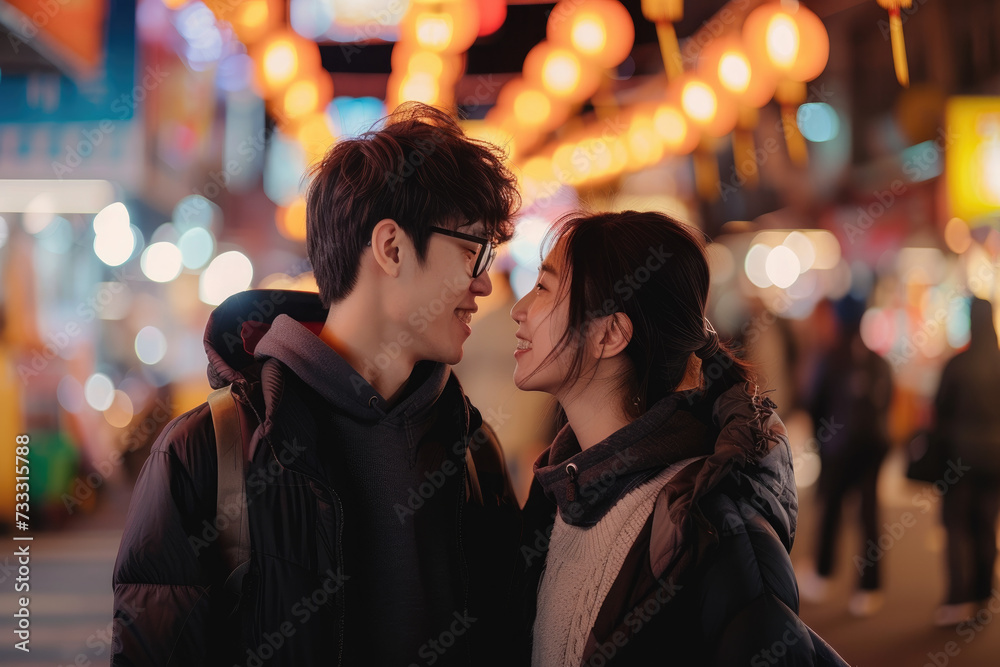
47 97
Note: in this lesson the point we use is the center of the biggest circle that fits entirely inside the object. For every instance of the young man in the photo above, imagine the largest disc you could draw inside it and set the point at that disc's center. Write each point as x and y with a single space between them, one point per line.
381 518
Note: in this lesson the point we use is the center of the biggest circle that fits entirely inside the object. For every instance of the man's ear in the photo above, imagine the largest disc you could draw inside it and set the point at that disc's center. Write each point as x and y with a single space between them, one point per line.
612 334
387 237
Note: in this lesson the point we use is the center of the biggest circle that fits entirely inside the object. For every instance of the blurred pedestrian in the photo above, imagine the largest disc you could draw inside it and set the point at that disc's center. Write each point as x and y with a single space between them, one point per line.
658 525
967 412
850 413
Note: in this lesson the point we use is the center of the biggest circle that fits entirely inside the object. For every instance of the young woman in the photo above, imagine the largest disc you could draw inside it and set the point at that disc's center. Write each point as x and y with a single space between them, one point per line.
659 521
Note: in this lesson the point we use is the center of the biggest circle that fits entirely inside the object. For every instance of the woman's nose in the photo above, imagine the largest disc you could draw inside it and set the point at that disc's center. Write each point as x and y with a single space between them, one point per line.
517 312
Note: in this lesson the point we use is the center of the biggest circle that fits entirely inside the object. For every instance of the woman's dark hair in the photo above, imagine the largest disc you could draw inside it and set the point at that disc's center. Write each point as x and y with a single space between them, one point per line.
420 169
653 269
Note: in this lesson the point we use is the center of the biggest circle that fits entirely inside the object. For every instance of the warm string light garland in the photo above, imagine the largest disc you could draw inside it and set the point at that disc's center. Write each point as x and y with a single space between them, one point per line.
781 47
428 59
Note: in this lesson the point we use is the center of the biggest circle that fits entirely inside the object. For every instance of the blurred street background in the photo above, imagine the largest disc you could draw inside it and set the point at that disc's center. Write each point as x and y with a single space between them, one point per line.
842 158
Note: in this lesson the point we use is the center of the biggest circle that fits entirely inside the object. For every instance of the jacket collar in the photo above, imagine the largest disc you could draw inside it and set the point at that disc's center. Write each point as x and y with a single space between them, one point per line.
586 484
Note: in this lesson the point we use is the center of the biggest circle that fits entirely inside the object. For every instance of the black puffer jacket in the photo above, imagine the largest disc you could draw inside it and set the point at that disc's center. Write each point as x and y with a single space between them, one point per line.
708 581
170 608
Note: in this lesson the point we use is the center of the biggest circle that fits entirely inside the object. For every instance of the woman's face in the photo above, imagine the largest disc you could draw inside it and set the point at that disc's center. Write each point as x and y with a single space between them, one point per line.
542 315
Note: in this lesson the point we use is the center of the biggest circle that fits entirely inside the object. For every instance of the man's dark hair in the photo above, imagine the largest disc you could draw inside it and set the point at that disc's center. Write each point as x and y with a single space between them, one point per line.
418 169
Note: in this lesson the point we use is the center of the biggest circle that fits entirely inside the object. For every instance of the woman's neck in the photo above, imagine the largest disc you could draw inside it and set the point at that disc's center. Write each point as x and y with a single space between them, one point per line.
595 411
594 416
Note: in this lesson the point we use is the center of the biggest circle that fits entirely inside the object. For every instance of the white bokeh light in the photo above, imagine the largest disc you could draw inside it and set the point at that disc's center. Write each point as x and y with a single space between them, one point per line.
196 246
114 248
229 273
39 213
782 266
150 345
112 219
803 249
99 391
754 265
161 262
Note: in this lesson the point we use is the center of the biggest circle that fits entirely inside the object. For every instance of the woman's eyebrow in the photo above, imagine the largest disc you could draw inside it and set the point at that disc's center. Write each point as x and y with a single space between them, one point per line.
548 268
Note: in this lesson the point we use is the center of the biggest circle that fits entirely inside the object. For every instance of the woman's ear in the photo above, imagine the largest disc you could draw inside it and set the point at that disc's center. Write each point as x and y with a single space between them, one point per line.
613 336
387 236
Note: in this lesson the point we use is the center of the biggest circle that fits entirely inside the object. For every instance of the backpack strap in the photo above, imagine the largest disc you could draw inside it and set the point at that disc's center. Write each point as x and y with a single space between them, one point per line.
234 534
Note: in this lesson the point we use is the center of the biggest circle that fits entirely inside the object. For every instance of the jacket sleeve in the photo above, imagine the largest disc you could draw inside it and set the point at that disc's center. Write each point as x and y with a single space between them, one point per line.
767 633
164 565
750 600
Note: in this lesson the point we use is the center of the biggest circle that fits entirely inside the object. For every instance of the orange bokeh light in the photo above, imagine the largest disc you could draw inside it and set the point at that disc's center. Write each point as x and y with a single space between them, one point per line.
792 41
599 30
727 61
282 58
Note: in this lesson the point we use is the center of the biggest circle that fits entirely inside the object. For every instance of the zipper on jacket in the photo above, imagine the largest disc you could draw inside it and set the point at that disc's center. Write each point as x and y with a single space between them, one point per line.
341 612
461 553
338 550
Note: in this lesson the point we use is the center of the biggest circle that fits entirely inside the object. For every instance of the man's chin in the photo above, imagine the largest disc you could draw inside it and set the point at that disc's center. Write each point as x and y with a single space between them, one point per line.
450 357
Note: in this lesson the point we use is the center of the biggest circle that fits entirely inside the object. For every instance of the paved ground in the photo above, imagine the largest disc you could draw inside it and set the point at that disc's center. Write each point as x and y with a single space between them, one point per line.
70 596
71 592
901 634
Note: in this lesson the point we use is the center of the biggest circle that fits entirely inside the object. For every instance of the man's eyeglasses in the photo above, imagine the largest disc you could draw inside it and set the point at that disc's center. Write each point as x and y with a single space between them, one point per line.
487 252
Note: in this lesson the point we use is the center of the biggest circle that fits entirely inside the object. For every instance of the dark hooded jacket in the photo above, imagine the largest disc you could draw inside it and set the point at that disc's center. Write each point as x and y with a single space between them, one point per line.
708 581
322 513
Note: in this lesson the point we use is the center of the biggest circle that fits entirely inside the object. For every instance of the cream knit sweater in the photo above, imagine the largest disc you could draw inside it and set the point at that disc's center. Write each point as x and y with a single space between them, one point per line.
581 566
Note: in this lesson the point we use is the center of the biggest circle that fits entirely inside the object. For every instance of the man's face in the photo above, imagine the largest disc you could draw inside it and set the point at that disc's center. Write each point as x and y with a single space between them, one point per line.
440 296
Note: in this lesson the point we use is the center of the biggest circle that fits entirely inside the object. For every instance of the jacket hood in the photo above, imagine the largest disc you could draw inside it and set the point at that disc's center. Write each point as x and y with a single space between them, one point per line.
254 326
238 323
752 461
738 441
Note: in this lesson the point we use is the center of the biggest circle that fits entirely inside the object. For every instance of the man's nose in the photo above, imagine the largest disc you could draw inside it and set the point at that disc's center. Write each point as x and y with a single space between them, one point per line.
482 285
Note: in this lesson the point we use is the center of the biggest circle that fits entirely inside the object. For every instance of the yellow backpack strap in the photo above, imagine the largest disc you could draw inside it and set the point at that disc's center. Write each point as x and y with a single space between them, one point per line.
231 503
